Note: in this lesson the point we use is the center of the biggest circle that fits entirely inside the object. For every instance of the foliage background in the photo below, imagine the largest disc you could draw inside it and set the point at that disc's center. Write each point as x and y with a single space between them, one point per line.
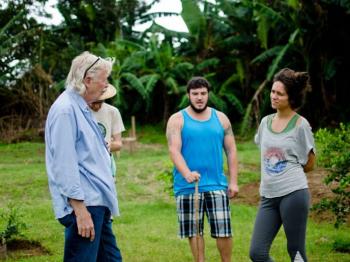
237 45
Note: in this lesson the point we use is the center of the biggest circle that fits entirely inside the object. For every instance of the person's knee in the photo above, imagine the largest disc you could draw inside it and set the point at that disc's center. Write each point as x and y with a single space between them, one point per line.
258 255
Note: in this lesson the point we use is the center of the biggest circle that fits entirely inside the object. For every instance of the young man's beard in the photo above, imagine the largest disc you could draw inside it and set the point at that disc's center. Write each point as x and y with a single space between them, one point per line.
198 110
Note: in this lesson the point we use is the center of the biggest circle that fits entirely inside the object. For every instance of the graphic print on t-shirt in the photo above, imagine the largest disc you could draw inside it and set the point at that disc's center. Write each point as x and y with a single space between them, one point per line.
102 129
274 161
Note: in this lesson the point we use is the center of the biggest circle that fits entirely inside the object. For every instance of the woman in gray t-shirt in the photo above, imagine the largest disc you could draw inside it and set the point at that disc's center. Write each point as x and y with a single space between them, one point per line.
287 152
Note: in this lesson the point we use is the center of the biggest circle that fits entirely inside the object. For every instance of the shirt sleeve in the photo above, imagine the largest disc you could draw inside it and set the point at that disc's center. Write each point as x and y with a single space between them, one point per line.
65 168
117 122
257 137
305 141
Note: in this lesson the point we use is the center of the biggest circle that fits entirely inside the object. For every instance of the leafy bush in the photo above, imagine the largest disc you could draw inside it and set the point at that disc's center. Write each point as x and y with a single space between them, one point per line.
334 149
166 176
342 245
10 223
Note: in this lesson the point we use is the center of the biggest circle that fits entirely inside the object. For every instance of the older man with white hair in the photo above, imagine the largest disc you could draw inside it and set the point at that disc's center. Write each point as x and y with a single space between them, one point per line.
79 165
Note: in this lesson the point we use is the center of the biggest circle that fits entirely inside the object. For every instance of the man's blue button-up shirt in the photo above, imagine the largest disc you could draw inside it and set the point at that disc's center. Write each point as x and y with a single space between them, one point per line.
77 160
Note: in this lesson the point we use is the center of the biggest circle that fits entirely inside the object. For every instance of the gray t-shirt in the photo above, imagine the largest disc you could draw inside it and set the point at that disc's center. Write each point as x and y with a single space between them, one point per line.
283 156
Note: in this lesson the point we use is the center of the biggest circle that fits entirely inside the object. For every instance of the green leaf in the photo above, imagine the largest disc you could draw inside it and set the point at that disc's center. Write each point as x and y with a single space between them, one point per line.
218 102
235 102
211 62
266 55
275 64
135 84
192 17
182 70
263 31
151 83
10 23
183 101
246 119
293 3
172 84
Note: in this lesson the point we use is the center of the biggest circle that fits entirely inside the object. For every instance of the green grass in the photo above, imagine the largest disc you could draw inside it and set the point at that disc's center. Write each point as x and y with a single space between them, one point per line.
147 228
151 134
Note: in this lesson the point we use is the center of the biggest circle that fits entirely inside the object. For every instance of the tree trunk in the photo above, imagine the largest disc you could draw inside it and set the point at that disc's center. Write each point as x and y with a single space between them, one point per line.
3 251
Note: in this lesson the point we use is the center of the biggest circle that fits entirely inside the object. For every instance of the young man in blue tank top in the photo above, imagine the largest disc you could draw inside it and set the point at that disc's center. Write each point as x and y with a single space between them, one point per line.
197 137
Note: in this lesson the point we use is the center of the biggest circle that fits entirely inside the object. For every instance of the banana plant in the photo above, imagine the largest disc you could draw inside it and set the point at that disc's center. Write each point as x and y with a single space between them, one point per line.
269 19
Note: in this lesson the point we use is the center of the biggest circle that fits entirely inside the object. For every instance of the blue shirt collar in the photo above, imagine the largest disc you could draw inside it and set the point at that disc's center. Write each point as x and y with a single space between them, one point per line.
79 99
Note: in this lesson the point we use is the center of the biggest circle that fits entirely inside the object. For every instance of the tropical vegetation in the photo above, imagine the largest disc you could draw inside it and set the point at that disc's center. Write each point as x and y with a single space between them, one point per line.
237 45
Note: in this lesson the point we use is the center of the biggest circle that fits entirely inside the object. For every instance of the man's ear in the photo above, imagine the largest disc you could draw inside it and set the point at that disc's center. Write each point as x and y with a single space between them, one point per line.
87 80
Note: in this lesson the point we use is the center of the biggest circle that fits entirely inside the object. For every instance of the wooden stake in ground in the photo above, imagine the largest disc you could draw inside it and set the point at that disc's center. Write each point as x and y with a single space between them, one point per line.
196 206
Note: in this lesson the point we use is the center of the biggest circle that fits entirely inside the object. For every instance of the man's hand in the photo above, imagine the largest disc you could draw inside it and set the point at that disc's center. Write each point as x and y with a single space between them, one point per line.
84 221
192 176
232 190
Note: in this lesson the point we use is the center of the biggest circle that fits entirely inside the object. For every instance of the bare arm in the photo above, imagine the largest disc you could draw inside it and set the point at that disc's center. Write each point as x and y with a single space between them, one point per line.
231 155
309 166
116 142
84 221
173 134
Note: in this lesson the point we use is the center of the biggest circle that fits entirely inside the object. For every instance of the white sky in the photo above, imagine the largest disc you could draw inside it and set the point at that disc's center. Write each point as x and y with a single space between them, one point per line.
172 23
50 8
175 23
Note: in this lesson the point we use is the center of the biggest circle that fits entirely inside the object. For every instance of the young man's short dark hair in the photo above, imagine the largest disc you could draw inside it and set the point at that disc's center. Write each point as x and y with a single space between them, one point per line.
197 82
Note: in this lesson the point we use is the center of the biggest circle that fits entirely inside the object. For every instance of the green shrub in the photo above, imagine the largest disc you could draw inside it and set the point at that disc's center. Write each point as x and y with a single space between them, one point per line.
342 245
334 154
166 176
11 223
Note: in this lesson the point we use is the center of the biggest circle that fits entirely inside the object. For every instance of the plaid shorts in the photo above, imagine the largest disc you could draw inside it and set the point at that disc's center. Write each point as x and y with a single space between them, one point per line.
217 208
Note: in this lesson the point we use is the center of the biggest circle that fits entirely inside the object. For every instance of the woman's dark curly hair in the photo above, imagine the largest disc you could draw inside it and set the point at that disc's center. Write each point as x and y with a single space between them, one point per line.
296 85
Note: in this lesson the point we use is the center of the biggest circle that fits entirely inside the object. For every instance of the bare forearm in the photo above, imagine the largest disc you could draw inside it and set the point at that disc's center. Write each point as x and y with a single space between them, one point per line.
232 164
116 146
231 153
233 175
309 166
310 163
78 205
85 224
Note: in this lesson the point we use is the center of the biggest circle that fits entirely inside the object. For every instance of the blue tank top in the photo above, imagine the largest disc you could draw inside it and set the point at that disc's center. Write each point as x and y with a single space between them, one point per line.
202 149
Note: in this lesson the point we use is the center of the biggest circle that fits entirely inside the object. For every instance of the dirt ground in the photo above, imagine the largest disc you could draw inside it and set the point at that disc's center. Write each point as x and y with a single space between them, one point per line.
22 248
249 194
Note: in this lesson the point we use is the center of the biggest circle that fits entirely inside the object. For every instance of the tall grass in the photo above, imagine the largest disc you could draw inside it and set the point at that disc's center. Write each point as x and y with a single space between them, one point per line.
147 228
